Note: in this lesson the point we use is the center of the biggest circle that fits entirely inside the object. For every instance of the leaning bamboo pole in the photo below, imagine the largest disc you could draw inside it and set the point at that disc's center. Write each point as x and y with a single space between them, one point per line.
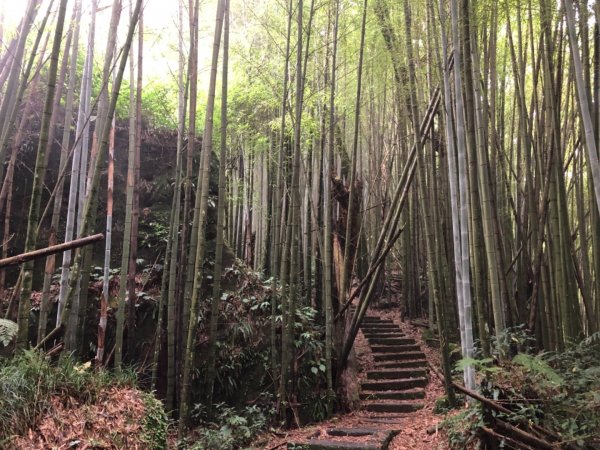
35 254
388 236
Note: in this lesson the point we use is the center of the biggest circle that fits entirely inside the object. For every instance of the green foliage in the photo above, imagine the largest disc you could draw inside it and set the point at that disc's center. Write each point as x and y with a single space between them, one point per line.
575 404
592 340
242 351
442 405
122 108
463 427
230 428
559 391
511 339
482 366
233 363
30 380
155 233
155 423
8 331
159 103
538 366
429 337
97 273
312 380
252 104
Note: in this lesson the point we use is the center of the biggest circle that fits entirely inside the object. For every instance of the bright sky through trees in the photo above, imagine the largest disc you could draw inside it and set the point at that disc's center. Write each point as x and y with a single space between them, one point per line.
160 32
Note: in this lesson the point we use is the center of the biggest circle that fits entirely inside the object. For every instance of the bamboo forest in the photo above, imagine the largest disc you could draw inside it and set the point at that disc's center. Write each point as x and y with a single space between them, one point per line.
300 224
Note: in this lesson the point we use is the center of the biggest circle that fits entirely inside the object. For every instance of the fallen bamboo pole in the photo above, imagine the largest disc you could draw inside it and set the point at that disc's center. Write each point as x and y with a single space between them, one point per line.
498 407
524 436
24 257
500 437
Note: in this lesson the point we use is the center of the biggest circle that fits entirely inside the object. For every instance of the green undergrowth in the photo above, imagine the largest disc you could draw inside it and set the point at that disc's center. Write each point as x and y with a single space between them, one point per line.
245 390
155 424
557 391
430 338
244 348
227 428
462 428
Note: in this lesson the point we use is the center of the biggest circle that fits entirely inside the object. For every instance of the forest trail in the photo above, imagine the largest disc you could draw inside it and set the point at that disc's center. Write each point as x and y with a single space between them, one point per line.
396 382
397 395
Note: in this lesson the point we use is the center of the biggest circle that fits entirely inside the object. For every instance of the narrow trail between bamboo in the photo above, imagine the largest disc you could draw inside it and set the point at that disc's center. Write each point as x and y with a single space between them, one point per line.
397 395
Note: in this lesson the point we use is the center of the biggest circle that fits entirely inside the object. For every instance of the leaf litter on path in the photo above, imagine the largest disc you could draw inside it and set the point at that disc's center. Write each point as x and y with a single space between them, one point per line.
417 430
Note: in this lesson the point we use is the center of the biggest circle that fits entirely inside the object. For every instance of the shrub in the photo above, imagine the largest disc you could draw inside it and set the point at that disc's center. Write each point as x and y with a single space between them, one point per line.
462 428
558 391
155 423
231 428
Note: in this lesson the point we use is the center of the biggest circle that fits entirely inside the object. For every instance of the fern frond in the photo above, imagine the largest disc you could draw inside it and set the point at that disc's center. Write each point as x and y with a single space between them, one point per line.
591 340
8 331
537 365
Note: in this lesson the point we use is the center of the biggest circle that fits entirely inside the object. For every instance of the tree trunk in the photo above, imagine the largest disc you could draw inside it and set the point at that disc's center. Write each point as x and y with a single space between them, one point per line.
202 196
135 214
38 183
65 142
216 294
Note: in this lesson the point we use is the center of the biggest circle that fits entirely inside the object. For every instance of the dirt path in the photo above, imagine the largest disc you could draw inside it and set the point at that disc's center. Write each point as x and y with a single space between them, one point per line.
419 428
397 396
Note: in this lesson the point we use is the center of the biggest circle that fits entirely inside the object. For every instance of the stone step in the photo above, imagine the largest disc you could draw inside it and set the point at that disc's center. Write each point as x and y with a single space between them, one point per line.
376 320
375 330
409 394
392 407
384 333
397 416
392 335
321 444
395 348
379 440
352 431
393 385
401 364
388 331
395 374
391 341
377 324
385 420
404 356
380 327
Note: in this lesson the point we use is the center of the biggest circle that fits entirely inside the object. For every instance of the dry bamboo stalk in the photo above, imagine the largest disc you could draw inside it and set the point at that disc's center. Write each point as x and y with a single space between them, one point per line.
23 257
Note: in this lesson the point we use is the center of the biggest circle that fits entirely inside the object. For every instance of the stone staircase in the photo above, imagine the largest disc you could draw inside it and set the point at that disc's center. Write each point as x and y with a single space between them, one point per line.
392 389
396 383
